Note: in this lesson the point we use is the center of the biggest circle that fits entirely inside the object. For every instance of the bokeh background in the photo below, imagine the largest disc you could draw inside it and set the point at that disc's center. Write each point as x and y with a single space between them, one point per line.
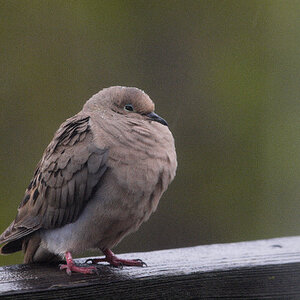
224 74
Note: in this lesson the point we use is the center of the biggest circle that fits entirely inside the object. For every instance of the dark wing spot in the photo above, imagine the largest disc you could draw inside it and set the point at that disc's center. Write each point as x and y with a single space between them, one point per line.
36 171
25 200
71 130
30 185
35 195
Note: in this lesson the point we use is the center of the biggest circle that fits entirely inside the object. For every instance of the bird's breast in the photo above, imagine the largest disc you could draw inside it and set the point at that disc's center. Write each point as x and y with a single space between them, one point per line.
141 156
141 164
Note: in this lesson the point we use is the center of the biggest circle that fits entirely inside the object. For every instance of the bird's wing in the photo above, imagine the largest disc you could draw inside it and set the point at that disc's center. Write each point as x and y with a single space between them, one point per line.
64 180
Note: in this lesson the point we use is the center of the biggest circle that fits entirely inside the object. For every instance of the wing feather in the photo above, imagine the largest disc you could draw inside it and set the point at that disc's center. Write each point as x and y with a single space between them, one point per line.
63 183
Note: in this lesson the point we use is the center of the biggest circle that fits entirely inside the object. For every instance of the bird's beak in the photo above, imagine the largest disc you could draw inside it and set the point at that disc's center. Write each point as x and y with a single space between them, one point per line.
154 117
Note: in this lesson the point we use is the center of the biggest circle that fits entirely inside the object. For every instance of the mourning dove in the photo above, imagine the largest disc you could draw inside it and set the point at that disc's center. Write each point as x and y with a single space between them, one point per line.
98 180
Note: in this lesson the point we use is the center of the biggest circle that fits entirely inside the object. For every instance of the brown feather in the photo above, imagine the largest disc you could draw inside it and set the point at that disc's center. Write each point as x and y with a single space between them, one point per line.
107 164
66 166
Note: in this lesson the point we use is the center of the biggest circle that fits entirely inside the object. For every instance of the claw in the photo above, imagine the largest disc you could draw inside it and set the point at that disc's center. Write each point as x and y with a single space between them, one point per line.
115 261
71 267
94 261
143 264
118 265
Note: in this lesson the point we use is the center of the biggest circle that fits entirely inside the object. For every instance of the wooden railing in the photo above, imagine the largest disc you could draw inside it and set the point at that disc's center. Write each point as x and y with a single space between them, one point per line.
247 270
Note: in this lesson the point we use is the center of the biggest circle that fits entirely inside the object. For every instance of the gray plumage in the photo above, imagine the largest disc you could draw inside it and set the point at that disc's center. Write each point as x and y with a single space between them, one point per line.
101 176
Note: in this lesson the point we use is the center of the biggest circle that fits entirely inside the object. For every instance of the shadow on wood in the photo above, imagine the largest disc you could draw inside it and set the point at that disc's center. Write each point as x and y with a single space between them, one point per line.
253 270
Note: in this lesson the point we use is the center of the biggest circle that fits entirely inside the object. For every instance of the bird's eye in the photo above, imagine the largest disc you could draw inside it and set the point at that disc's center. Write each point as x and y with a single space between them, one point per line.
128 107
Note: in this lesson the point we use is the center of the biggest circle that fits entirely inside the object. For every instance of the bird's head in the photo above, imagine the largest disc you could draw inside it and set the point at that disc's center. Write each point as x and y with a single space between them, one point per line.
128 101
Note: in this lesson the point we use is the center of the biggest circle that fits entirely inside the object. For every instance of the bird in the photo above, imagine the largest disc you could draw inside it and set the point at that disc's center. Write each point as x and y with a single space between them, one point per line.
98 180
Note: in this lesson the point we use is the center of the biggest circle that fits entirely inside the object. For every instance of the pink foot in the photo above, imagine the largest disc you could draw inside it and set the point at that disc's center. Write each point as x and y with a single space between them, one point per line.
71 267
115 261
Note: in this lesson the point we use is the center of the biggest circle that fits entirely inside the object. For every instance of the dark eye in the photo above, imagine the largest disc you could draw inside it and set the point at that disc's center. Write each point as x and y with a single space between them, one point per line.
128 107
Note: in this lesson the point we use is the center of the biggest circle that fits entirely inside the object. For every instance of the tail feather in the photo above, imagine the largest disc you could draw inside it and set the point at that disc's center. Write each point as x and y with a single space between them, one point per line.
12 247
12 244
13 238
7 232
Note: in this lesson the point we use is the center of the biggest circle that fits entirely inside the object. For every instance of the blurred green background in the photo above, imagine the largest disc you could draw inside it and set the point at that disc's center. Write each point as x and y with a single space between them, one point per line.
224 74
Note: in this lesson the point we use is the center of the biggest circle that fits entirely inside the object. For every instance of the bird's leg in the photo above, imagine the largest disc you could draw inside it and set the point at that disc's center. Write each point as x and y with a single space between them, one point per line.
113 260
71 267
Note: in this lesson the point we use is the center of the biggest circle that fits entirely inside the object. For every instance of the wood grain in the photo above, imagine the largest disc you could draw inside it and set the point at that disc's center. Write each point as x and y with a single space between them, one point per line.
265 269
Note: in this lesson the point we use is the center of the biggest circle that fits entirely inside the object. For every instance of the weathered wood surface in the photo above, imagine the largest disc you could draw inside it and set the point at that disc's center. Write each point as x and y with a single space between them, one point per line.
266 269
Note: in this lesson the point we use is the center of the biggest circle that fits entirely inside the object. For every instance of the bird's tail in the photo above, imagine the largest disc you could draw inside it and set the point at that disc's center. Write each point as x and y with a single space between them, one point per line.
11 244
